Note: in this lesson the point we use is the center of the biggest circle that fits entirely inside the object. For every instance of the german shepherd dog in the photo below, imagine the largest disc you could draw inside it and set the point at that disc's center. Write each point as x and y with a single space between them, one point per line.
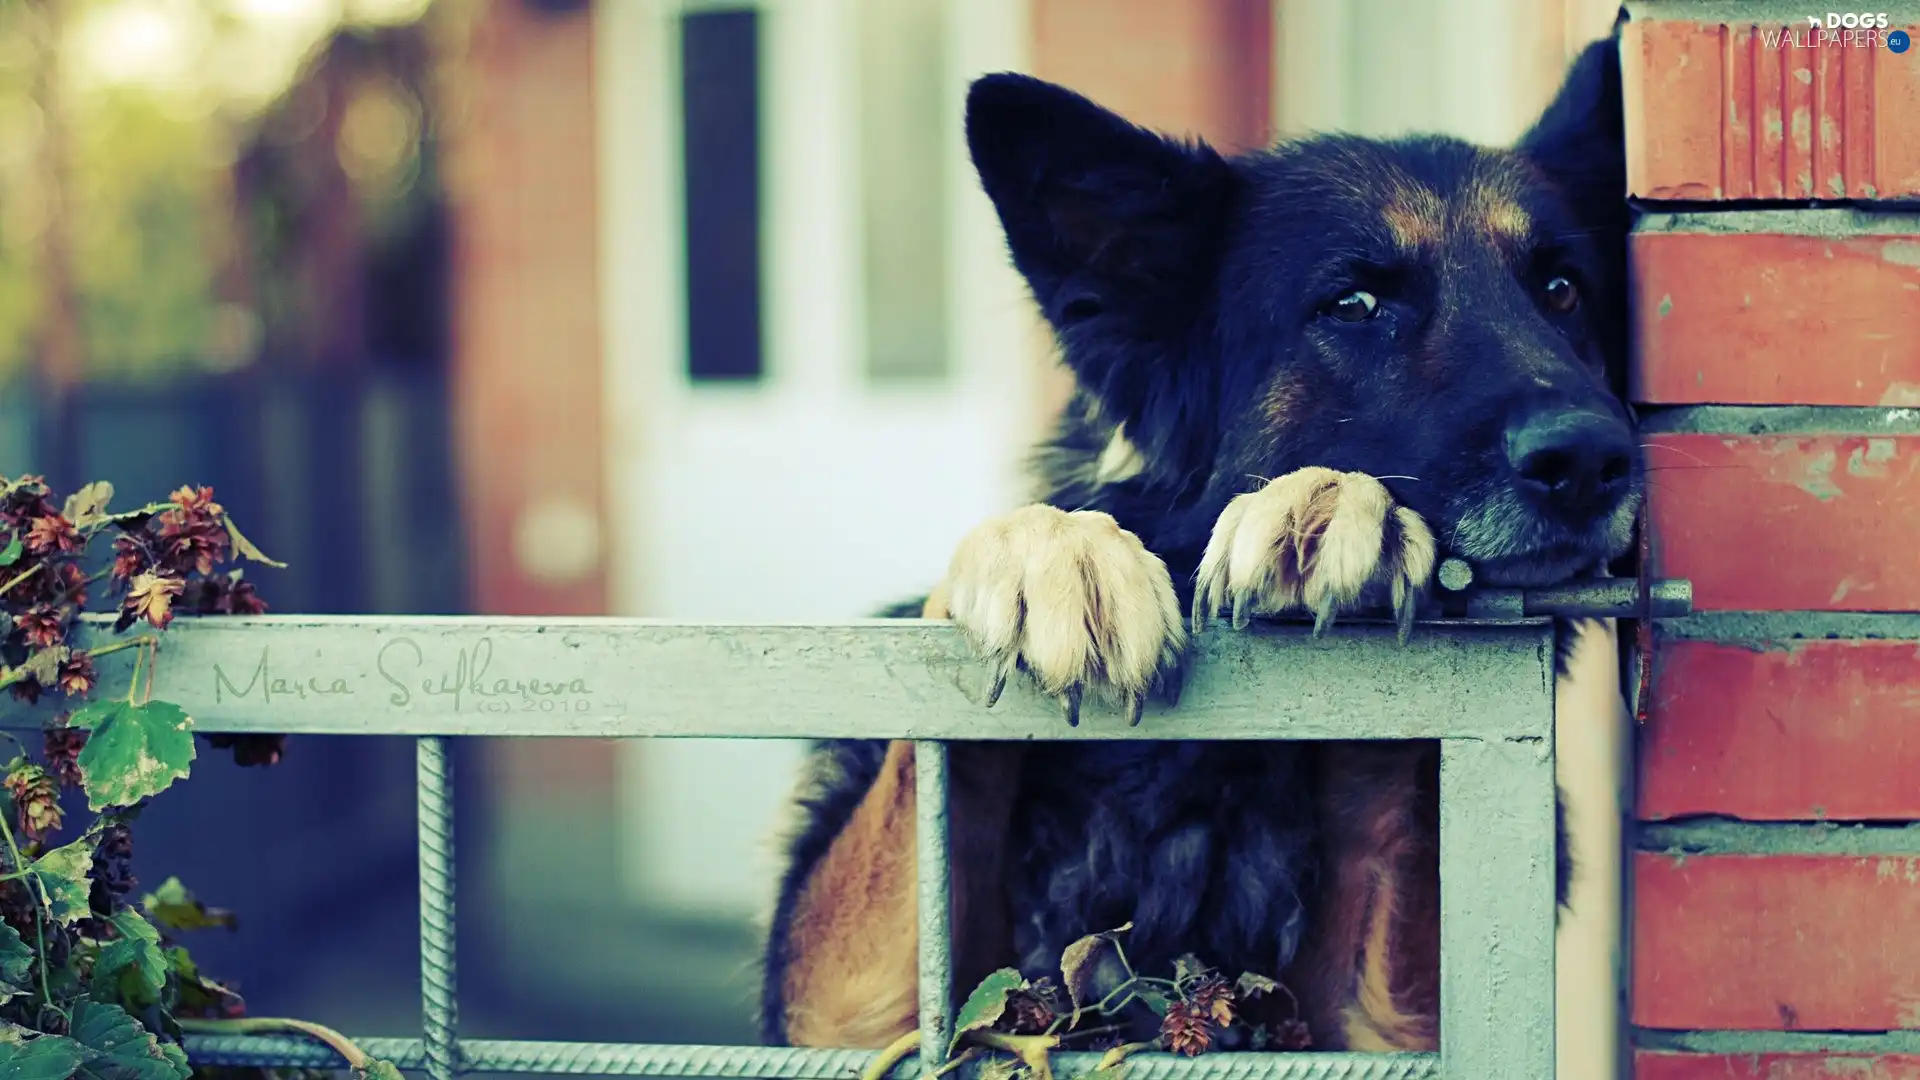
1304 376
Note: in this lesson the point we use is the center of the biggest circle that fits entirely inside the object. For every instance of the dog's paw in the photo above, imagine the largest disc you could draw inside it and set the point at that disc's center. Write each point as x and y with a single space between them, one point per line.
1315 540
1074 600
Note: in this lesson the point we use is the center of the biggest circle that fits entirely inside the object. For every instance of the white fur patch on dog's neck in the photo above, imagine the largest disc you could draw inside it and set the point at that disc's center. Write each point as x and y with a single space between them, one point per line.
1121 460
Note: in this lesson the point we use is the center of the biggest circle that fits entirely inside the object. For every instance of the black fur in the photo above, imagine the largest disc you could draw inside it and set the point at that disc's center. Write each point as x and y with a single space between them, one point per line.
1189 292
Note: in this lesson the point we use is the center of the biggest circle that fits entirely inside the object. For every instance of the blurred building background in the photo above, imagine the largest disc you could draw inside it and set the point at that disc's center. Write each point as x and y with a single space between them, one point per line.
675 308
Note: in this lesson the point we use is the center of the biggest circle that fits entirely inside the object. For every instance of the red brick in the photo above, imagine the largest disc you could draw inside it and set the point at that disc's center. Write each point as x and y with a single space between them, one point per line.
1713 113
1773 523
1729 318
1800 731
1663 1065
1776 942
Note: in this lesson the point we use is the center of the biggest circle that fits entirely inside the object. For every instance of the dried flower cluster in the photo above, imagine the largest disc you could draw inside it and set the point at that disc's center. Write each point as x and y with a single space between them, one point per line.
1197 1011
92 982
164 558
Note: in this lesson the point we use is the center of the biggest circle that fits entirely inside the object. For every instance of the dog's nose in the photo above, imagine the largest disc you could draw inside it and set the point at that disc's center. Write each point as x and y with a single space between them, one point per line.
1575 463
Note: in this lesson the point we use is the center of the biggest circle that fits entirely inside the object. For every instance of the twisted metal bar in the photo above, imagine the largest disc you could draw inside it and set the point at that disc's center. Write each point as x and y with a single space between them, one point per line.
934 856
781 1063
439 1007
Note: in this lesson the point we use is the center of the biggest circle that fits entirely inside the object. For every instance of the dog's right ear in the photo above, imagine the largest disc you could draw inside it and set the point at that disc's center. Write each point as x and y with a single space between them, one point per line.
1116 229
1096 210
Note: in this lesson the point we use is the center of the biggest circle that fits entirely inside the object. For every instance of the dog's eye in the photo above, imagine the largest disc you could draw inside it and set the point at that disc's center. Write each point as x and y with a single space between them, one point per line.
1356 306
1562 295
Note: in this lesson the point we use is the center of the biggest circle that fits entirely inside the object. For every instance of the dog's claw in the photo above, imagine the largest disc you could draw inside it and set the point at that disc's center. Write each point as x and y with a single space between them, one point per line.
1315 542
1067 601
1136 707
1070 704
1322 618
998 687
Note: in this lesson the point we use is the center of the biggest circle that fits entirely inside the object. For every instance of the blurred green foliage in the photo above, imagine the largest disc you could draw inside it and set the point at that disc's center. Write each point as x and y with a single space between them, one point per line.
154 102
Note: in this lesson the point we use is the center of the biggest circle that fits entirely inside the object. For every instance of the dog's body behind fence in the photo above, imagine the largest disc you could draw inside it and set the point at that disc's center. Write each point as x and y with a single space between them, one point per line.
1303 376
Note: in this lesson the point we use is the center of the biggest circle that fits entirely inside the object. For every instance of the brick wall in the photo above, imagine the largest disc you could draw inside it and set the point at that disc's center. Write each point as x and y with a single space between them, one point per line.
1775 913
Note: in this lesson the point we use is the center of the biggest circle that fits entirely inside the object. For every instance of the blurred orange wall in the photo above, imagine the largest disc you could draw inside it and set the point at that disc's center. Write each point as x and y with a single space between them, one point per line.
527 353
527 315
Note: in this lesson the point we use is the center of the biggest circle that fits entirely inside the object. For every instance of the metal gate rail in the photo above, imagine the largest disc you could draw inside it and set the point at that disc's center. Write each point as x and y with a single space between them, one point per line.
1481 682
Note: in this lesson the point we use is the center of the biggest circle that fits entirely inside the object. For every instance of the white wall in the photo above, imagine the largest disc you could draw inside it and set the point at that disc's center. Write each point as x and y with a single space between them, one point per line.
814 495
1472 68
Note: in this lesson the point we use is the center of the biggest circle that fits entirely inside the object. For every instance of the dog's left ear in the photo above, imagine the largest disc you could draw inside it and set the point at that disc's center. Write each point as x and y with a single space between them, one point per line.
1580 141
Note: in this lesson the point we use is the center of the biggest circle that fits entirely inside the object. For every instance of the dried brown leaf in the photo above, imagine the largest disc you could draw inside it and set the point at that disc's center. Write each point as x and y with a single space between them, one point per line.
44 665
1082 958
150 597
245 548
88 506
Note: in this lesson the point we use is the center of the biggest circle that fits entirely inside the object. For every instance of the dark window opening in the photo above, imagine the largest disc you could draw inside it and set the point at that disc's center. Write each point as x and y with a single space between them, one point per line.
720 124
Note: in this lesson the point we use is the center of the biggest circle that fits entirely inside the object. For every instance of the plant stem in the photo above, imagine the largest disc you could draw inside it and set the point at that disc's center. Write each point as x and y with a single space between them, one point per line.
1017 1044
123 646
39 905
1124 992
955 1062
134 687
1086 1033
1032 1050
356 1058
19 674
1120 1053
895 1053
20 577
153 665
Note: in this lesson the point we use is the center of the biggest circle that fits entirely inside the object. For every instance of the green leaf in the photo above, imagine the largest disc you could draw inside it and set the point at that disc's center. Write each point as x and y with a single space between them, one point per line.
173 907
16 964
1186 968
245 548
121 1049
1251 985
131 968
1152 999
199 995
987 1001
135 751
49 1057
12 552
62 874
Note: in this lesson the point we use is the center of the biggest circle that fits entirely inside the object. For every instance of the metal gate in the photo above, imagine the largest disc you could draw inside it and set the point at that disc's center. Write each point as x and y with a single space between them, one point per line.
1479 680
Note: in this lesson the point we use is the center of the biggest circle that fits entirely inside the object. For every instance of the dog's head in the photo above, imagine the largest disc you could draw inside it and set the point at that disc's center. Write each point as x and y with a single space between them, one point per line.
1445 317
